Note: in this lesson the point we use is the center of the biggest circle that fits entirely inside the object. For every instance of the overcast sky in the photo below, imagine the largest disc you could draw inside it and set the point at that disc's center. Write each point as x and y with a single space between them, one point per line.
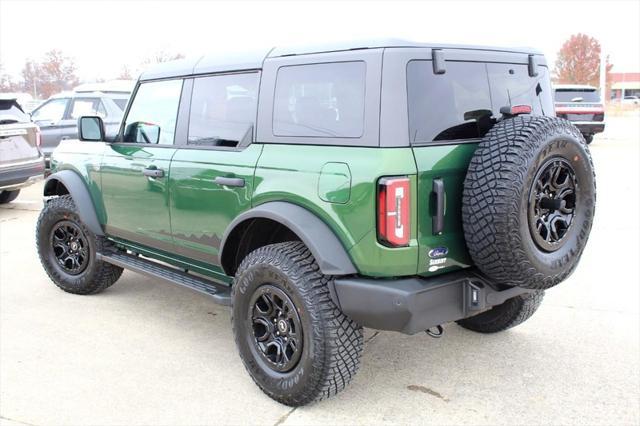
102 36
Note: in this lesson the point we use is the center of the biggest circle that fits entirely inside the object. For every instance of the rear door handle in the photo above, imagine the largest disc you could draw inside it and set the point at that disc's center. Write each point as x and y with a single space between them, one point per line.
438 197
227 181
153 172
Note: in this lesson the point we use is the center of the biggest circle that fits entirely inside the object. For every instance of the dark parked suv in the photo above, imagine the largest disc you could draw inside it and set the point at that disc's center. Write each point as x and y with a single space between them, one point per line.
391 185
582 106
58 116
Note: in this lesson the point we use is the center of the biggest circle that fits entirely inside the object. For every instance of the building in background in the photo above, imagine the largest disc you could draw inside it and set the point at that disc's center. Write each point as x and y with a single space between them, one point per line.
624 84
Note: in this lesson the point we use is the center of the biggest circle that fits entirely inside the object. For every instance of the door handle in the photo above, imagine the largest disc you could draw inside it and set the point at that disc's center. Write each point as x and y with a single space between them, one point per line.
438 197
227 181
153 172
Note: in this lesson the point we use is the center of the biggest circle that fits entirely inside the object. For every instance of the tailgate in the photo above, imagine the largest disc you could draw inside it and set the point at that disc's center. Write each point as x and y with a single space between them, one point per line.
441 169
18 143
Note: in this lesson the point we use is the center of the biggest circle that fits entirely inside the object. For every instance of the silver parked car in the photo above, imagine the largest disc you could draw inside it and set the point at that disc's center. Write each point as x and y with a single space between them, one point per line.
21 161
58 116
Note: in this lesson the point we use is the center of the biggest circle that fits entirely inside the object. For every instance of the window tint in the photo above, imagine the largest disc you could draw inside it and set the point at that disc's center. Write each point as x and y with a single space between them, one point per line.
320 100
51 111
573 95
121 103
450 106
87 106
10 112
223 109
153 113
512 85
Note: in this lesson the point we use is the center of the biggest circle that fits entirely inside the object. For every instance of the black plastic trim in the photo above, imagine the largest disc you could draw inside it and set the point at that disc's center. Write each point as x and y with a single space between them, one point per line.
328 251
411 305
80 194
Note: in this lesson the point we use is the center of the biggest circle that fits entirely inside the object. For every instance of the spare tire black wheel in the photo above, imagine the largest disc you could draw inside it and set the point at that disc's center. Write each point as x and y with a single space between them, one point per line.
528 201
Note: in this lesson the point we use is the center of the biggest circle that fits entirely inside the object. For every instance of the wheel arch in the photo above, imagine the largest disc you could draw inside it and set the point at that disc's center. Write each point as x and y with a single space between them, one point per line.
67 182
288 222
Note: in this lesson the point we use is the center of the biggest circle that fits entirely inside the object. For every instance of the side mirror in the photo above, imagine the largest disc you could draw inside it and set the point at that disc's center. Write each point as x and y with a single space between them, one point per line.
142 132
90 128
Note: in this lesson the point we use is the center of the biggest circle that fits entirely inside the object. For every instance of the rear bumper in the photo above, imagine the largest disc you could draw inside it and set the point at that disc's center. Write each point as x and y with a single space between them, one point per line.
411 305
589 127
16 177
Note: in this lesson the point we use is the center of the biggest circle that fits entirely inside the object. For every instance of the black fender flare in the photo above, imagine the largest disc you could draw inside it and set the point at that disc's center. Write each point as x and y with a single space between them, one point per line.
330 254
80 194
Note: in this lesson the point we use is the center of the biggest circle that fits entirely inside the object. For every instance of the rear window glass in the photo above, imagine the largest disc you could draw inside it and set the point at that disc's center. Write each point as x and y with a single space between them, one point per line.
121 103
223 109
320 100
511 85
450 106
10 112
577 95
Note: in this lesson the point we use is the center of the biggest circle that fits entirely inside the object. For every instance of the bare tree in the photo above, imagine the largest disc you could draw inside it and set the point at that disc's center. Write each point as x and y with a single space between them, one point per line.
162 56
54 73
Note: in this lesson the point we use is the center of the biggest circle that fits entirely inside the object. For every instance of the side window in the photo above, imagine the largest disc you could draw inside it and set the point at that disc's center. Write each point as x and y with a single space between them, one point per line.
320 100
511 85
451 106
153 113
223 109
51 111
86 106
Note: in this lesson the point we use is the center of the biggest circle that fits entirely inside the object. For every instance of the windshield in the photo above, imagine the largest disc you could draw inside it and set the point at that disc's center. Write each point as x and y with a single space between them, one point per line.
574 95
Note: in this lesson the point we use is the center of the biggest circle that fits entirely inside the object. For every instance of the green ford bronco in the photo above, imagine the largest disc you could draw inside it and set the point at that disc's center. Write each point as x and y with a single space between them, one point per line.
320 190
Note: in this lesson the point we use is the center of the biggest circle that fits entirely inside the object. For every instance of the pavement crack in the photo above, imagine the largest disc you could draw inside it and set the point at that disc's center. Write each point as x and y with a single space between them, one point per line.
424 389
17 421
373 336
285 416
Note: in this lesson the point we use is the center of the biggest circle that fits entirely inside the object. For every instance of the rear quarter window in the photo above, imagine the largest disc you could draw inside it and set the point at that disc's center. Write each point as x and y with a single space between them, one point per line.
320 100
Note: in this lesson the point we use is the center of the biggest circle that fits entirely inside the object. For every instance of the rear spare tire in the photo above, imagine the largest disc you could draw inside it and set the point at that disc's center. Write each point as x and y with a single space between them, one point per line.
528 201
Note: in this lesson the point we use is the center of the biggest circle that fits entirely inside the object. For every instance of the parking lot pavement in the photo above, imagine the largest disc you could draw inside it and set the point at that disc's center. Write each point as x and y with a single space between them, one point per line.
146 352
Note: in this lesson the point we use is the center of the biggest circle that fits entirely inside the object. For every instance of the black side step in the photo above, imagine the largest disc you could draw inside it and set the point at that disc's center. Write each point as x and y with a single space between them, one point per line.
220 293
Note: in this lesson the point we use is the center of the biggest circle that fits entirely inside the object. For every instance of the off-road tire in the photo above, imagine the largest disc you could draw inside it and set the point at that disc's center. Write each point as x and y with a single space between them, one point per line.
496 201
588 139
512 312
8 196
332 343
97 275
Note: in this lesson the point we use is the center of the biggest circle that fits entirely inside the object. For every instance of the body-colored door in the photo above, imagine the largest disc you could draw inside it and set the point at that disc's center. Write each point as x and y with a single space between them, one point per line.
135 170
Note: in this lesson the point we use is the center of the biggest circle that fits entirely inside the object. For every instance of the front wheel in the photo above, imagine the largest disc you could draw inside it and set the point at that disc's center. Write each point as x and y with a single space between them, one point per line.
8 196
502 317
68 249
293 340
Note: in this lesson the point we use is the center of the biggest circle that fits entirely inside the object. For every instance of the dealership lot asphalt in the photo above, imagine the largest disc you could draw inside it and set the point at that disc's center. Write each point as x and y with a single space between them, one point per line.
145 352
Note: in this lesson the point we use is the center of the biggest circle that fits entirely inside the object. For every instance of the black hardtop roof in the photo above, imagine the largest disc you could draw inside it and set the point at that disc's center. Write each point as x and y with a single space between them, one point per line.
250 60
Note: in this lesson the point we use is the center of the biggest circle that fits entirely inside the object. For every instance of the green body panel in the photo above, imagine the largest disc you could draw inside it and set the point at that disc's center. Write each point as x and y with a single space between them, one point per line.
201 210
449 163
181 217
292 173
84 158
334 183
137 206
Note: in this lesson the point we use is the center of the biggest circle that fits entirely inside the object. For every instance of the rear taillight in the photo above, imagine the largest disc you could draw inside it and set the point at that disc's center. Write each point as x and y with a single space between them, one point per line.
38 137
393 211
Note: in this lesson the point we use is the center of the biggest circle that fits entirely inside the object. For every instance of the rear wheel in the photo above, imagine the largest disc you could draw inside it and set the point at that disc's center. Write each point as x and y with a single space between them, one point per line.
8 196
295 343
503 317
588 138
